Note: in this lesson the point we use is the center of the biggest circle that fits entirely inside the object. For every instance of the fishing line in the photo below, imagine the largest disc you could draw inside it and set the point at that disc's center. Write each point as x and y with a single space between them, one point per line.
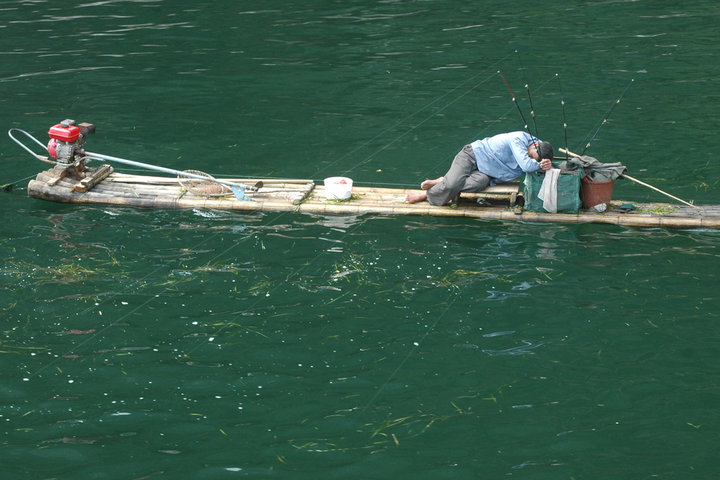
295 273
562 102
607 115
481 133
400 122
9 186
416 126
150 298
350 230
414 348
97 334
216 332
642 69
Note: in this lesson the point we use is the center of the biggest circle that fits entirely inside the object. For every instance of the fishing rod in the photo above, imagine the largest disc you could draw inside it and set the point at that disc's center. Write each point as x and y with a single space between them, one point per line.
562 102
532 112
607 115
516 104
527 87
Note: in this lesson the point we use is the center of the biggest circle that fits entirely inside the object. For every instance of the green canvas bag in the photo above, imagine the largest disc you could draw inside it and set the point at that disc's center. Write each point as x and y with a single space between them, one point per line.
568 191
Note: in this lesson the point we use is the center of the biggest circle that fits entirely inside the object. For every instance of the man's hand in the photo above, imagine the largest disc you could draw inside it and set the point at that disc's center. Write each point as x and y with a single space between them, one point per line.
546 164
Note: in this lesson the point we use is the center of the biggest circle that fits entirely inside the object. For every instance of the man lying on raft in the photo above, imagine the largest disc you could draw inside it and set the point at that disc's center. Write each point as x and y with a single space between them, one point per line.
489 161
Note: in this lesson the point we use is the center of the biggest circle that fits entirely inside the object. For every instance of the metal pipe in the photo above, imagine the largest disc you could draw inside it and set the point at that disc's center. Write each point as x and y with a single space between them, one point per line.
24 147
180 173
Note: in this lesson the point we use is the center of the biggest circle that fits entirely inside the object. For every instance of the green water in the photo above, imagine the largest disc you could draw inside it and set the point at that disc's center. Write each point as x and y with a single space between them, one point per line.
211 344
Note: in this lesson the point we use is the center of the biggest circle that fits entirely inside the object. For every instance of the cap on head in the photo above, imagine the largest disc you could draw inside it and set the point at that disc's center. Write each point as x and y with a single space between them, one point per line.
545 150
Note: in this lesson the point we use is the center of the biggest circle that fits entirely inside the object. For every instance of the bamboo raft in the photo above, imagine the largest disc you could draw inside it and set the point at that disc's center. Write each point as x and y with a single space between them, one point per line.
104 186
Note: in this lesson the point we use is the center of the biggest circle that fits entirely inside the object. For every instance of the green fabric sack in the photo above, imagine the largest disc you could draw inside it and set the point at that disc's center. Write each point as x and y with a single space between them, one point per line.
568 191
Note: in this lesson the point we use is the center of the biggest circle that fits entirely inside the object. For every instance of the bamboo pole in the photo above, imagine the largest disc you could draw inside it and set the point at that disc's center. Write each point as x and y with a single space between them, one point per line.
641 183
128 177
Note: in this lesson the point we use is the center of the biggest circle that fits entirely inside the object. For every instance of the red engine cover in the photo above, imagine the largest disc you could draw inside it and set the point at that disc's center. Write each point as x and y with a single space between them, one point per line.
66 134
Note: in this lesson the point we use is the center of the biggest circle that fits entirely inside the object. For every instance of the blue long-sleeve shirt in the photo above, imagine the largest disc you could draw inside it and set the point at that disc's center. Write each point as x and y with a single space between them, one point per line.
504 157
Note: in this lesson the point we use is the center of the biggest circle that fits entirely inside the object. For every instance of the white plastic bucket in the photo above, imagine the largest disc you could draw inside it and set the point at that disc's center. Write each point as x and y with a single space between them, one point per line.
338 188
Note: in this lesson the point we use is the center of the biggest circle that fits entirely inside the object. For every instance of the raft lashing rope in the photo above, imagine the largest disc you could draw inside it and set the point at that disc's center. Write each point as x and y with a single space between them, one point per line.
66 149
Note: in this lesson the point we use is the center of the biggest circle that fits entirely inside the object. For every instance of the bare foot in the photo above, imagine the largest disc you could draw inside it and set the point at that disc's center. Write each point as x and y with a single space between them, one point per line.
416 197
428 184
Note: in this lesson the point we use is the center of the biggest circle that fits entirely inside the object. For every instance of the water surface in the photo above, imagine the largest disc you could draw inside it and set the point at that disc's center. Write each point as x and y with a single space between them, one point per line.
210 344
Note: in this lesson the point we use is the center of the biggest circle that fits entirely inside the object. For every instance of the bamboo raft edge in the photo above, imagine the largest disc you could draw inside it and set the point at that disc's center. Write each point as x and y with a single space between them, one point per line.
303 196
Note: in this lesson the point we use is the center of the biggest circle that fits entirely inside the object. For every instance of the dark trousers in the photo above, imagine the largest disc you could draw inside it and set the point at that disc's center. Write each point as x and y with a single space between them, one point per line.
463 176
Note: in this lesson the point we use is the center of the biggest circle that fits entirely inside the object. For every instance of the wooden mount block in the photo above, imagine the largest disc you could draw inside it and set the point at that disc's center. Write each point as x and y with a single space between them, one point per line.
96 177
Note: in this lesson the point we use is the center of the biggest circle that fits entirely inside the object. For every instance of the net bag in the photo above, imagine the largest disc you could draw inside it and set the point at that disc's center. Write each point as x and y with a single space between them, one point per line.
203 188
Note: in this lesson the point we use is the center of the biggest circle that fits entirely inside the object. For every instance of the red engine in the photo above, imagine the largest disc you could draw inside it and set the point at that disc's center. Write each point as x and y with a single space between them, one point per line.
67 139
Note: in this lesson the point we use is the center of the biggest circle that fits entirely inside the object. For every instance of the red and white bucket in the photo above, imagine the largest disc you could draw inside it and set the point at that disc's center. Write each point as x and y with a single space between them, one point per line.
338 188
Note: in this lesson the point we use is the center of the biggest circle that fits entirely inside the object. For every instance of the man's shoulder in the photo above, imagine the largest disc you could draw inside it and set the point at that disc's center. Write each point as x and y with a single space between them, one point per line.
509 136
